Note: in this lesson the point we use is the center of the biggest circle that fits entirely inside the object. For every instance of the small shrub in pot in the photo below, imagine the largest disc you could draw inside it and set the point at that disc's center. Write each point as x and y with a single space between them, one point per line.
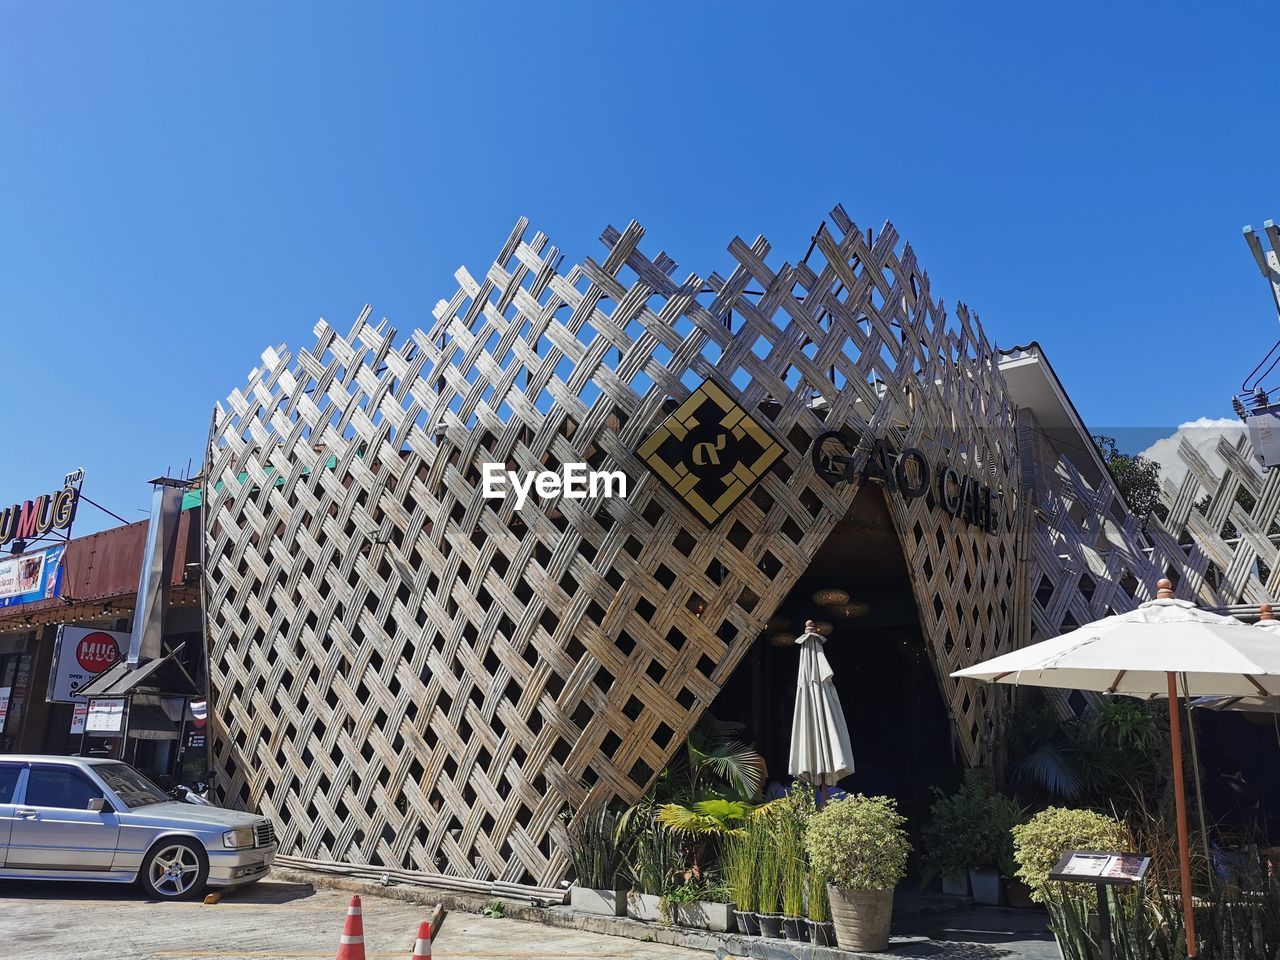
859 845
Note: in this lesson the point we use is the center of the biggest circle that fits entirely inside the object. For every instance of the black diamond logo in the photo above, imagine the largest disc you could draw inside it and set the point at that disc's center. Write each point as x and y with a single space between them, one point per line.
710 451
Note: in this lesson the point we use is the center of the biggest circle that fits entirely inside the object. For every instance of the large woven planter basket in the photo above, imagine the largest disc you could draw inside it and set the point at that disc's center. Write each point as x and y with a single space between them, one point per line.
861 917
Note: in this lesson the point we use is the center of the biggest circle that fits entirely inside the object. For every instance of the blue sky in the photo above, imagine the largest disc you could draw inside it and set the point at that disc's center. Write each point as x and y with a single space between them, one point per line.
183 187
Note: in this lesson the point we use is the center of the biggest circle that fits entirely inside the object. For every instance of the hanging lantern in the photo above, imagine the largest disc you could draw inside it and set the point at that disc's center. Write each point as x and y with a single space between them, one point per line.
822 628
852 611
781 639
830 597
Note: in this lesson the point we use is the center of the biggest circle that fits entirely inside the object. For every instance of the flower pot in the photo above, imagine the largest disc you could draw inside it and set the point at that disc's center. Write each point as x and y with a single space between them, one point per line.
644 906
1018 894
822 933
956 883
861 917
704 915
748 923
986 886
605 903
770 925
795 928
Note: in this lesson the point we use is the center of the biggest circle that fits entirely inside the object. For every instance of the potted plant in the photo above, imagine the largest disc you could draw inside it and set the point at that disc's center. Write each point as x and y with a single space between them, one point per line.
791 818
706 906
598 842
822 931
1039 843
967 840
738 866
769 866
859 845
654 860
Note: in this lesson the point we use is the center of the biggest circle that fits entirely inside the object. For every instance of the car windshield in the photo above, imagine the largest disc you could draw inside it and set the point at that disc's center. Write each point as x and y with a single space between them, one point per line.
133 789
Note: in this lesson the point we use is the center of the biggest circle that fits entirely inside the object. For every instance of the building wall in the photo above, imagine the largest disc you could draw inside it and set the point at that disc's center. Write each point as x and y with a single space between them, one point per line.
407 674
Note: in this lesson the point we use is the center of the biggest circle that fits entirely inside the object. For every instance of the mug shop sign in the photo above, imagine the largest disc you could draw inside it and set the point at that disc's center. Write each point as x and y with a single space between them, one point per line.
911 475
35 518
80 654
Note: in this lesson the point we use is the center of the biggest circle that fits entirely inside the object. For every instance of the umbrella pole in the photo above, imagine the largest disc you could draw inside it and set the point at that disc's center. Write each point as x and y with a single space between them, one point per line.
1179 796
1196 779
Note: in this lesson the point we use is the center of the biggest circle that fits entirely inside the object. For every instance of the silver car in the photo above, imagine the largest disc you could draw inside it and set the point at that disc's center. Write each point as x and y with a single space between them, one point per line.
71 818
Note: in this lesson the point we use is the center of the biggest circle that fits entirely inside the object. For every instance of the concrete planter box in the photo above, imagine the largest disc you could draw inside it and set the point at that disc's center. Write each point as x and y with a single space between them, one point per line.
604 903
644 906
704 915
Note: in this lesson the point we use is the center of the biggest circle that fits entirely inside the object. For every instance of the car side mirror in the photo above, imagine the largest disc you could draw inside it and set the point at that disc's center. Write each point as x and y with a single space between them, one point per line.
98 804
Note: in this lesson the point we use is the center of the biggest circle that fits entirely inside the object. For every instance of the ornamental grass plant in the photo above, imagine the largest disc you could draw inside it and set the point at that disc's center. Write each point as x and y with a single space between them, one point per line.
738 857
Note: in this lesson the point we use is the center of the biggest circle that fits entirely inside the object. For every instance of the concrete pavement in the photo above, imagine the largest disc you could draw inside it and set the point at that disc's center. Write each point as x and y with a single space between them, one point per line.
271 919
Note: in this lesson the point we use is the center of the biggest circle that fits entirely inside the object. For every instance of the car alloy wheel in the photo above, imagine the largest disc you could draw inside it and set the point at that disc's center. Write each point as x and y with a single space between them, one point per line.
174 870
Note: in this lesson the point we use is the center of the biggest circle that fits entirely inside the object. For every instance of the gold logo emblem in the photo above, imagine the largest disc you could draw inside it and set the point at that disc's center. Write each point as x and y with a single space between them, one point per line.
710 451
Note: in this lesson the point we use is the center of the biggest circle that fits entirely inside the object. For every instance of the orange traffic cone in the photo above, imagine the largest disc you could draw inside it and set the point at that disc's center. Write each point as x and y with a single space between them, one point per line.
351 946
423 947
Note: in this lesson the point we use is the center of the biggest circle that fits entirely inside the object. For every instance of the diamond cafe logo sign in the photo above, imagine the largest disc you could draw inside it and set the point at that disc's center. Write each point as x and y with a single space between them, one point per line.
911 475
710 452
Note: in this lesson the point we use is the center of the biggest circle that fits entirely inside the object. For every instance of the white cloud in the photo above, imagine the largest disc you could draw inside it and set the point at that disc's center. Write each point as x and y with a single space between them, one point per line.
1203 434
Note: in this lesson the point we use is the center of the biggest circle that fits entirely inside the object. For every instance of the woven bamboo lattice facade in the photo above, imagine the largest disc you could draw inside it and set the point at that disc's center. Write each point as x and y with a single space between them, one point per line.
1218 543
408 674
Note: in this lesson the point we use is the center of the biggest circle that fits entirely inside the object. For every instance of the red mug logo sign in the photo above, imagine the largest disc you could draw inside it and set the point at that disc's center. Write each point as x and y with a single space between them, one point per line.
96 652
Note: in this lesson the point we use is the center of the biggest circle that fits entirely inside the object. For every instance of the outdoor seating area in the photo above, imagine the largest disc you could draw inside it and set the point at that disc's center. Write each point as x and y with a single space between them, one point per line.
1122 870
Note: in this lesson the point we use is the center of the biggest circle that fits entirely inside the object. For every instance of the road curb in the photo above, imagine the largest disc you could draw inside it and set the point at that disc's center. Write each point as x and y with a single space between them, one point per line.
749 948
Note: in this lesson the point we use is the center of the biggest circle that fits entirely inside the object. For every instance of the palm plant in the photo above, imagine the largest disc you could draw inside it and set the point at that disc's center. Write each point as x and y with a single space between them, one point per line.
715 762
699 825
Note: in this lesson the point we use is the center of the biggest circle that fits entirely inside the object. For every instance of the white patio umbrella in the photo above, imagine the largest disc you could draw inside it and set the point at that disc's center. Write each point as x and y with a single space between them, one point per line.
1257 704
821 752
1163 645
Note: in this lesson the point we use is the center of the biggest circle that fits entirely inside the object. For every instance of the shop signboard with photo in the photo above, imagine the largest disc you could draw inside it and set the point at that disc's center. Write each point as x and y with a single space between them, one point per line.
5 692
79 655
31 576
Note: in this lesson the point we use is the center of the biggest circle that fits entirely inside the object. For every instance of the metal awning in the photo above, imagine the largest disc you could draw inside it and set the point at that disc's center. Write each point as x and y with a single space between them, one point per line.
163 677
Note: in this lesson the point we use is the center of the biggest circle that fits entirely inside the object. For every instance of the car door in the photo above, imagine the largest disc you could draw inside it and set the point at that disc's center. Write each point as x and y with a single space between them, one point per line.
9 775
53 827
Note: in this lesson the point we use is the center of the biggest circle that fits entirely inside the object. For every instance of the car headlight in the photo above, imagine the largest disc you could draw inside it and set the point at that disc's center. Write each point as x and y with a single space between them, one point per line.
237 838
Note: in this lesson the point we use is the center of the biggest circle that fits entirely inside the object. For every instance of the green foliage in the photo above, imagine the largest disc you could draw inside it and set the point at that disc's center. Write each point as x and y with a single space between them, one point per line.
789 818
495 910
691 892
598 843
770 865
703 817
819 906
970 828
654 858
715 763
738 856
1115 755
858 842
1041 841
1136 478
